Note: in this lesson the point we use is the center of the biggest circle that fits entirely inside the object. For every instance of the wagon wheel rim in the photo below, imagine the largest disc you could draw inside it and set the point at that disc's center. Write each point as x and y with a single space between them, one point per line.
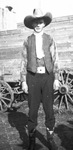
6 96
65 92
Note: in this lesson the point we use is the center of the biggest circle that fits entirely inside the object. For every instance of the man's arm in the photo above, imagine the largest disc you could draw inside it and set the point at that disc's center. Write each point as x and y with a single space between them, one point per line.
55 59
24 68
24 63
54 54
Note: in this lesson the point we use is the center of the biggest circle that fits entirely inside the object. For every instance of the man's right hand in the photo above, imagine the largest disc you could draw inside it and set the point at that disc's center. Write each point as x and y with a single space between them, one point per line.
25 87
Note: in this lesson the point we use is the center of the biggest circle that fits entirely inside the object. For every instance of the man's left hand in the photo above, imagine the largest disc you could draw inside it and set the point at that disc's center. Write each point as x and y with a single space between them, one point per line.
56 84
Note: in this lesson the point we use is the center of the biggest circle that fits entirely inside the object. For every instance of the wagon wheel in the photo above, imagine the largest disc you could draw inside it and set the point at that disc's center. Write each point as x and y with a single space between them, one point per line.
19 97
6 96
64 95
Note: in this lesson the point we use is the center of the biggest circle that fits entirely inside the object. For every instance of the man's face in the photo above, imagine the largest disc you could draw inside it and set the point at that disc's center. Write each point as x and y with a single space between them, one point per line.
38 26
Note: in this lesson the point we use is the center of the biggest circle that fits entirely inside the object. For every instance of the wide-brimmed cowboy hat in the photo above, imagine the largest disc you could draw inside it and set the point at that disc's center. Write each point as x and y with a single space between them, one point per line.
37 16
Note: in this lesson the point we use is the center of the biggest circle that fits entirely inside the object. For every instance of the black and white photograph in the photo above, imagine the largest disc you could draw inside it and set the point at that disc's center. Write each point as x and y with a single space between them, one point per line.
36 75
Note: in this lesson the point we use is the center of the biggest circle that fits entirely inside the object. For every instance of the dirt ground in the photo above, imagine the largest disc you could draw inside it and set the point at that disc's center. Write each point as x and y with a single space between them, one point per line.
13 135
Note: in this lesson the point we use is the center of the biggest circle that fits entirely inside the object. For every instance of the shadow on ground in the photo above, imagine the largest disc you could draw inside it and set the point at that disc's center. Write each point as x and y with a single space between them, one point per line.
65 133
19 120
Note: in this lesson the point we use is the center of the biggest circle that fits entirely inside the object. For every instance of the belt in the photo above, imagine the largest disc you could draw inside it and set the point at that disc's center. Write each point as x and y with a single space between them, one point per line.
41 69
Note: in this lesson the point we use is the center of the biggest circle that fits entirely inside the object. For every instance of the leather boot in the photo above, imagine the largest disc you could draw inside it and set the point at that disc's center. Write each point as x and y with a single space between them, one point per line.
32 140
51 143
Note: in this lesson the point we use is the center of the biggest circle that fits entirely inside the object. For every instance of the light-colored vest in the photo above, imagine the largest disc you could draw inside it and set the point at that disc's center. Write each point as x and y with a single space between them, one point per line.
31 53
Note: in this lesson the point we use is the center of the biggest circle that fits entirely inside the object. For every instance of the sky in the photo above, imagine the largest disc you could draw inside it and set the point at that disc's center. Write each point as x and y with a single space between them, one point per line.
23 8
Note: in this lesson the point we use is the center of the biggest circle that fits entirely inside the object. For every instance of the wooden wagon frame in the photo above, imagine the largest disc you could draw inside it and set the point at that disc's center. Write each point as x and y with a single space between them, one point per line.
11 62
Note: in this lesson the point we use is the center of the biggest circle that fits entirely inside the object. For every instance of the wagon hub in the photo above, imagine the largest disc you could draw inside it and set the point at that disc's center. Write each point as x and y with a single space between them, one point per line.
64 89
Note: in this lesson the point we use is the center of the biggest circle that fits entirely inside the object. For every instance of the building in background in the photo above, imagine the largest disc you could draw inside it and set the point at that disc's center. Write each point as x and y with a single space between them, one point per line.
7 19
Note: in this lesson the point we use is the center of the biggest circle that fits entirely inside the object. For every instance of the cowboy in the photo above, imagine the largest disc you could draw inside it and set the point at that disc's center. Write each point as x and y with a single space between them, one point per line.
40 52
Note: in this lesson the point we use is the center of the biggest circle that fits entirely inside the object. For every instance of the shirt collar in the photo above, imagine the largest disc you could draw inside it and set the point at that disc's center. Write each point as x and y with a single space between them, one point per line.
38 34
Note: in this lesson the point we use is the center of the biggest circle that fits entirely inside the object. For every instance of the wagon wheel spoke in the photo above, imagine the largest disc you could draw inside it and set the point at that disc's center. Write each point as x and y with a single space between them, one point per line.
71 86
56 92
62 78
6 98
1 108
56 98
4 102
2 90
71 80
70 98
67 78
70 91
61 102
6 94
66 100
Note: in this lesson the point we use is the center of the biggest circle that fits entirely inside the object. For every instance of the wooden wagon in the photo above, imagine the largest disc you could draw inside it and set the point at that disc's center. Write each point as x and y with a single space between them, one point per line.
11 46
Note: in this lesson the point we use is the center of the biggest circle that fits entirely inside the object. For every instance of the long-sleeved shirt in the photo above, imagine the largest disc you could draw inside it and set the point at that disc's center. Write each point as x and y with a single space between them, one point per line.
39 52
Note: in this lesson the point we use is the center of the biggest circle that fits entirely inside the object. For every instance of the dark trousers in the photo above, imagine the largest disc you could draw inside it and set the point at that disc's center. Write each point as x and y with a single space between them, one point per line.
40 89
